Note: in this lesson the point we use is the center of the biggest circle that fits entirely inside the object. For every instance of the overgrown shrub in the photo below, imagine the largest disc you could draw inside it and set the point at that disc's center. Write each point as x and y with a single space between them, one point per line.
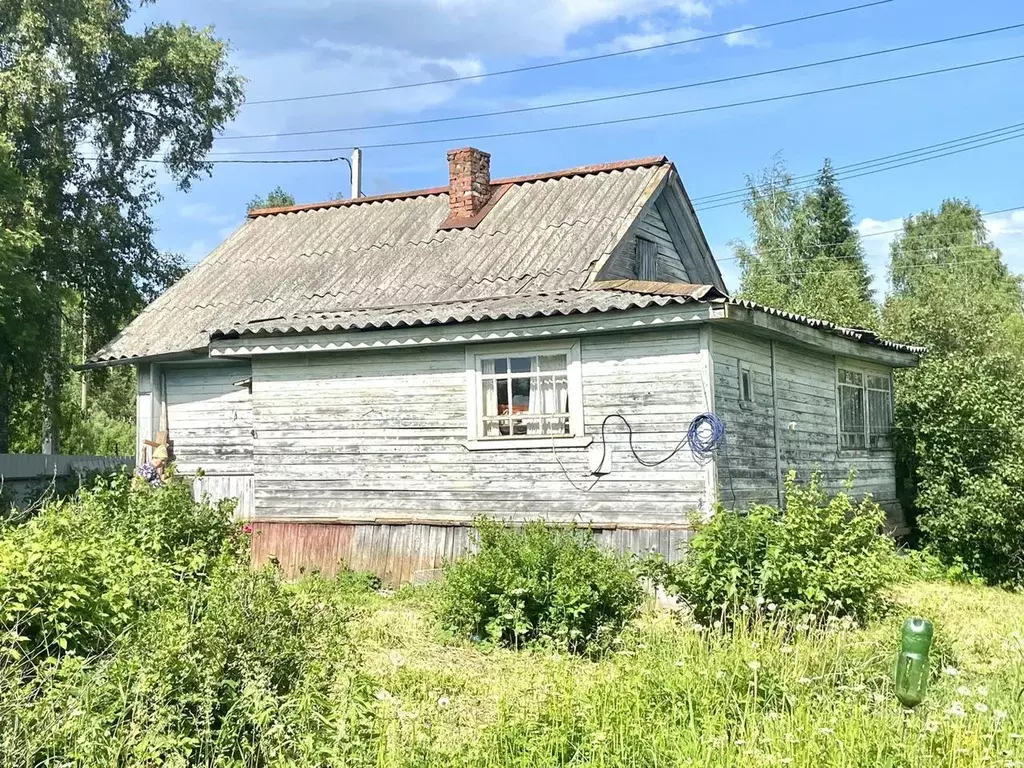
820 555
961 420
76 575
245 671
539 583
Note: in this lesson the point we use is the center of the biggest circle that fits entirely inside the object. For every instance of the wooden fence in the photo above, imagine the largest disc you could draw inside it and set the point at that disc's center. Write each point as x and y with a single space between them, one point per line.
24 477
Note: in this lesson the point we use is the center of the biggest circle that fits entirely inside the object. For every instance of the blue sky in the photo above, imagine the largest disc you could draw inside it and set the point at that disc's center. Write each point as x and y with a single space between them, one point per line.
298 47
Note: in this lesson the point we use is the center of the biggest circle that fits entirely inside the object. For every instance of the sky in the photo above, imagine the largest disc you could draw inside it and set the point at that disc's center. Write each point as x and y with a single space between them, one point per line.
290 48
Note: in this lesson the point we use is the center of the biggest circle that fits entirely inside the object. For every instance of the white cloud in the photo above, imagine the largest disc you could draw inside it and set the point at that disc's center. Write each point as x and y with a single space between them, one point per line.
1005 230
743 37
648 35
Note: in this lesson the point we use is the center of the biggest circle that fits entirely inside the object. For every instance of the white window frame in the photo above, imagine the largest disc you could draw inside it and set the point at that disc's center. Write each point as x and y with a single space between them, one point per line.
476 354
865 373
743 367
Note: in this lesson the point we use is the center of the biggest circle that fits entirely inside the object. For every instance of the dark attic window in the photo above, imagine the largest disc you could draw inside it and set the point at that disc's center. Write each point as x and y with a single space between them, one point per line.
646 259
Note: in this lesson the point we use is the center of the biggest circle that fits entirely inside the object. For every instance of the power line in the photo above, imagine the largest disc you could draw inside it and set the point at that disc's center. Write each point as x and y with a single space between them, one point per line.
640 118
629 95
878 234
744 191
890 166
563 62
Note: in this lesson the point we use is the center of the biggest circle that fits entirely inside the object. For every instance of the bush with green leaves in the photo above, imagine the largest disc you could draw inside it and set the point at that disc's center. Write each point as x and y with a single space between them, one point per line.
539 583
822 555
245 670
75 576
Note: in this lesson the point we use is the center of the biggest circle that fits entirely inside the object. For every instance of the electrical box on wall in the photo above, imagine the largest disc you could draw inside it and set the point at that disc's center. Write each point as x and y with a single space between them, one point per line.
600 459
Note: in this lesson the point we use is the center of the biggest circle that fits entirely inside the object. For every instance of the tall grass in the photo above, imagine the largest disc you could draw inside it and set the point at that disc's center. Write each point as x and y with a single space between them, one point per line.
675 694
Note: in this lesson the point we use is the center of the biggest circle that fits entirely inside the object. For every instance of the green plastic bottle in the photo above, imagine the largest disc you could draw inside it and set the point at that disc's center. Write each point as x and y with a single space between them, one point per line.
912 665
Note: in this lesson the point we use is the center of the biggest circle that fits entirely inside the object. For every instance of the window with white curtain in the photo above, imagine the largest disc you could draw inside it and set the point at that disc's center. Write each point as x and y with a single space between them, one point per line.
526 392
865 409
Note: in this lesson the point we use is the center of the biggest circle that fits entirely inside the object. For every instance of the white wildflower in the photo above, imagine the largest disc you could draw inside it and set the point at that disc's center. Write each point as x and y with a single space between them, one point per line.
397 660
956 709
771 609
717 624
951 671
786 649
999 714
744 608
754 665
982 691
804 681
382 695
980 706
680 663
759 600
963 690
443 702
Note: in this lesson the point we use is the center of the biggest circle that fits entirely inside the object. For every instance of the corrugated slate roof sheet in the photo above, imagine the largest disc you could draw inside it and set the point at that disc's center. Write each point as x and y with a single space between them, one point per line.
495 308
542 237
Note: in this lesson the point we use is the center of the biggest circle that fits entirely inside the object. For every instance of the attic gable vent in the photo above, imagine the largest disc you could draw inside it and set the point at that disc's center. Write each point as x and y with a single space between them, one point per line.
646 259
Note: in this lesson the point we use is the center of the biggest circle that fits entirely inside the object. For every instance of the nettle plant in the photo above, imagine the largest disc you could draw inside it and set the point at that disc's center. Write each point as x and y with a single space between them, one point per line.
819 555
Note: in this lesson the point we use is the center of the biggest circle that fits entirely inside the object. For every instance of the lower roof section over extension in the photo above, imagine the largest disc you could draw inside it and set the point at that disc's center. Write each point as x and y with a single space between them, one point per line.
603 307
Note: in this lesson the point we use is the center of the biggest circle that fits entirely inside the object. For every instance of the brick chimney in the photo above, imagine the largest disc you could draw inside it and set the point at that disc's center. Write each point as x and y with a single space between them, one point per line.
469 183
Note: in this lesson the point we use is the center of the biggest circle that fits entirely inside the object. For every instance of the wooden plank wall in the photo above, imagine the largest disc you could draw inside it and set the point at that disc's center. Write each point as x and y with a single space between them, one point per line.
807 424
377 437
401 553
209 418
622 264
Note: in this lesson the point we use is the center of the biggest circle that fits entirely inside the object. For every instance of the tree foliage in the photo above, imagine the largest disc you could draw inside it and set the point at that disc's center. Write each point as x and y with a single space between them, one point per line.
86 102
275 198
805 255
960 415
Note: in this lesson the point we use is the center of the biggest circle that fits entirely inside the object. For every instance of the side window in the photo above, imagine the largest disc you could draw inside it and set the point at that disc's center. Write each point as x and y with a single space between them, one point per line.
523 392
646 259
746 383
865 409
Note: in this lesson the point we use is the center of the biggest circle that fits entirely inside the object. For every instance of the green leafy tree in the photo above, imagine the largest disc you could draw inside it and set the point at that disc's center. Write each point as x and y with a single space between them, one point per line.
805 254
960 415
20 302
275 198
86 101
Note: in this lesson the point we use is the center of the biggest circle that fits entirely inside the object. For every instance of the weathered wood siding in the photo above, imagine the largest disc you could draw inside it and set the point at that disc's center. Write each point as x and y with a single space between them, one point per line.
746 466
377 436
804 418
209 421
623 263
209 418
405 552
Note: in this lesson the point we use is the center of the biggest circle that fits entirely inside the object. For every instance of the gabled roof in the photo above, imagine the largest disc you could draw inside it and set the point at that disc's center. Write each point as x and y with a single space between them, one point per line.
543 236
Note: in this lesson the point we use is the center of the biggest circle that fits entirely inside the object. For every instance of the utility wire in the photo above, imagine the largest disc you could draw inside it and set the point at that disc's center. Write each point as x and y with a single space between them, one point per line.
640 118
870 172
879 234
563 62
744 191
628 95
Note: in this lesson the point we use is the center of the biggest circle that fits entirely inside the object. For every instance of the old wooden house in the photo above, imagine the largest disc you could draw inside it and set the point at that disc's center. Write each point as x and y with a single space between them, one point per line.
367 376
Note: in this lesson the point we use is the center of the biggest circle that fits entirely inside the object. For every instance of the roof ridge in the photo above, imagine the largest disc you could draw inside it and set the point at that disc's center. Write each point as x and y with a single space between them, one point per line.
582 170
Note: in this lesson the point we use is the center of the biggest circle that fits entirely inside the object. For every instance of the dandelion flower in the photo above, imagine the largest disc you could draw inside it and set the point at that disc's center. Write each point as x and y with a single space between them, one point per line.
804 681
680 663
771 609
443 702
759 600
382 695
754 665
999 714
956 709
951 671
982 691
963 690
980 706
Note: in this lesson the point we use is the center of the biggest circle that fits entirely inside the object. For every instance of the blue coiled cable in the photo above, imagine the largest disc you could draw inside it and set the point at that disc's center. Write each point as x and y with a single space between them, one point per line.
701 445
